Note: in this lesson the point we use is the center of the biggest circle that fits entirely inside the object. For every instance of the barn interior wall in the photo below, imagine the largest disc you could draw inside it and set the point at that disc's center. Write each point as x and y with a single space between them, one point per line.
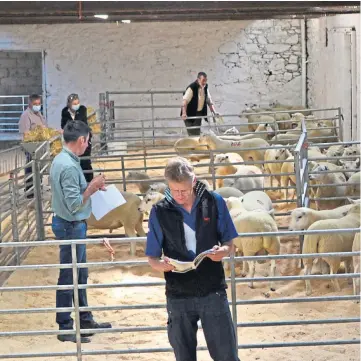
247 61
327 87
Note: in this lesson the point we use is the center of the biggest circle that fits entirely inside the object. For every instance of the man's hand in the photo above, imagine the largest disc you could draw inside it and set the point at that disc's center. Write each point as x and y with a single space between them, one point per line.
161 265
218 253
184 116
98 182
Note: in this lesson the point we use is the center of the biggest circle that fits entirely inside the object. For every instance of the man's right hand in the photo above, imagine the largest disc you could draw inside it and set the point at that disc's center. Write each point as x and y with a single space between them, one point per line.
98 182
184 116
161 265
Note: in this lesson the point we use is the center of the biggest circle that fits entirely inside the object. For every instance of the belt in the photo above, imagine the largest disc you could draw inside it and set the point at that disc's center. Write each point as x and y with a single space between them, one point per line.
72 222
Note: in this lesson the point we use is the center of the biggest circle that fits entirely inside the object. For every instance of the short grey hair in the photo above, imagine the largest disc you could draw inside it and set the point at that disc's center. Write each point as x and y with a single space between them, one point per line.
178 169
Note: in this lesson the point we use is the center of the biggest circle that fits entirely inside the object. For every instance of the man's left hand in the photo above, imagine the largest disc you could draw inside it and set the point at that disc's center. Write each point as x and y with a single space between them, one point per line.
218 253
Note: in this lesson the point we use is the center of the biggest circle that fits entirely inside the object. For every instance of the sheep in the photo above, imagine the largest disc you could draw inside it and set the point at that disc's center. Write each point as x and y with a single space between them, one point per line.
290 179
302 218
292 108
143 186
251 118
149 200
334 151
333 190
157 187
245 183
213 142
356 264
249 222
126 215
231 157
257 200
350 165
278 154
228 168
353 188
352 150
185 145
331 242
227 192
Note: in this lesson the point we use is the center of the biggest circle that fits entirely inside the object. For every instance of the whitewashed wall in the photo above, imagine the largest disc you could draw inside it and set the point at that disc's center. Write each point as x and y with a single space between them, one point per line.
247 61
328 71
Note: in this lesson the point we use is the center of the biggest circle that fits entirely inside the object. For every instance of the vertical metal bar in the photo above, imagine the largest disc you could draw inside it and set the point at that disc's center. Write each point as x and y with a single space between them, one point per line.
234 296
211 157
76 301
14 219
353 58
107 116
103 143
123 173
152 105
144 146
111 124
298 178
340 124
37 198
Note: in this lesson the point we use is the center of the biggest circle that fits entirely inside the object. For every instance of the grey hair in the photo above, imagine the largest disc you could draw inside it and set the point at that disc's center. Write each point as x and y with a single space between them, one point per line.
178 169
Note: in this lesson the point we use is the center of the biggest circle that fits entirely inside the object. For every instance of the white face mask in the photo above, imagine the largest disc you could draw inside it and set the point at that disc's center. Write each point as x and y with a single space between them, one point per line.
36 108
75 107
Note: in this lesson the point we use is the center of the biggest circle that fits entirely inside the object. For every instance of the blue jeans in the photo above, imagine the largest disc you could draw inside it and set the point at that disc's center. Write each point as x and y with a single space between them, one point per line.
64 298
213 311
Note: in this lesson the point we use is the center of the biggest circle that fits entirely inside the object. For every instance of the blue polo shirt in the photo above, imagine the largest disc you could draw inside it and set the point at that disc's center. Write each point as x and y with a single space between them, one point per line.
225 228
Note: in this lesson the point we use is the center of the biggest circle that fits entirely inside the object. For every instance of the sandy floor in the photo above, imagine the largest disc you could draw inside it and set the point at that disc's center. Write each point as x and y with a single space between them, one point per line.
157 317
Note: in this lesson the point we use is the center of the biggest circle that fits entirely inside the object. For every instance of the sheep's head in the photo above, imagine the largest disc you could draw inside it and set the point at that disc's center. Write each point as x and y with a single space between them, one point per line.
320 168
148 201
221 158
355 208
296 119
232 130
282 154
300 219
229 182
134 175
350 151
233 203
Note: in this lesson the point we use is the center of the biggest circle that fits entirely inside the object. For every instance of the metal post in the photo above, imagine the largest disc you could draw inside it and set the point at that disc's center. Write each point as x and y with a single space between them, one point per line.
152 105
38 198
76 301
103 141
298 178
234 296
340 123
111 124
211 157
144 147
123 173
14 218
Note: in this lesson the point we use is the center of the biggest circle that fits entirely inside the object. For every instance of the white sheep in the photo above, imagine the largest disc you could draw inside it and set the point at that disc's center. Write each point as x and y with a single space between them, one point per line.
228 168
226 192
351 166
333 189
278 154
149 200
334 151
288 180
213 142
250 222
353 186
356 264
331 242
184 146
302 218
126 215
143 186
247 179
231 131
257 200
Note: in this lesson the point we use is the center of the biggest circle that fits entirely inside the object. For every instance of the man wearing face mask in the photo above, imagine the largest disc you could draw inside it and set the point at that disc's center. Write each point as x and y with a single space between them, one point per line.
195 101
75 111
29 119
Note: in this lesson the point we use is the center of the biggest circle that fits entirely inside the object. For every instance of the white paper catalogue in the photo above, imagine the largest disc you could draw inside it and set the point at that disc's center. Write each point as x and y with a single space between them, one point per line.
104 202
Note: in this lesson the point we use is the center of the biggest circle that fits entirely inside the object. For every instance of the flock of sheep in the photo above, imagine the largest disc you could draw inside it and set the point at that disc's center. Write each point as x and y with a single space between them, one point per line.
239 175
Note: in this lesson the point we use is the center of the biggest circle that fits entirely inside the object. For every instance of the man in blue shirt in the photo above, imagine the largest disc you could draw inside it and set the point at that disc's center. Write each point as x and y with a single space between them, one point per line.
191 220
71 205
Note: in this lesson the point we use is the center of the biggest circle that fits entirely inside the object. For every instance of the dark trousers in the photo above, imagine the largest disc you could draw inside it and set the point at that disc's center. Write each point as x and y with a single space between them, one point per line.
213 311
64 298
194 123
28 182
86 164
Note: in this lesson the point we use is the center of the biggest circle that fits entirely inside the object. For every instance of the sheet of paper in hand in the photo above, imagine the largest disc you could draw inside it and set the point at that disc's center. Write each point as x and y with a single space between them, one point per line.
183 267
105 201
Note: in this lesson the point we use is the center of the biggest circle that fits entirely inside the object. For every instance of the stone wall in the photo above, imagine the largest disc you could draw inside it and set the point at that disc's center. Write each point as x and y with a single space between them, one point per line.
246 61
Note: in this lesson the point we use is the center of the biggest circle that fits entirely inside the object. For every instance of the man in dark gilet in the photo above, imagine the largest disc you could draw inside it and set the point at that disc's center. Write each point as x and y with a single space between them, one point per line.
195 101
188 221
